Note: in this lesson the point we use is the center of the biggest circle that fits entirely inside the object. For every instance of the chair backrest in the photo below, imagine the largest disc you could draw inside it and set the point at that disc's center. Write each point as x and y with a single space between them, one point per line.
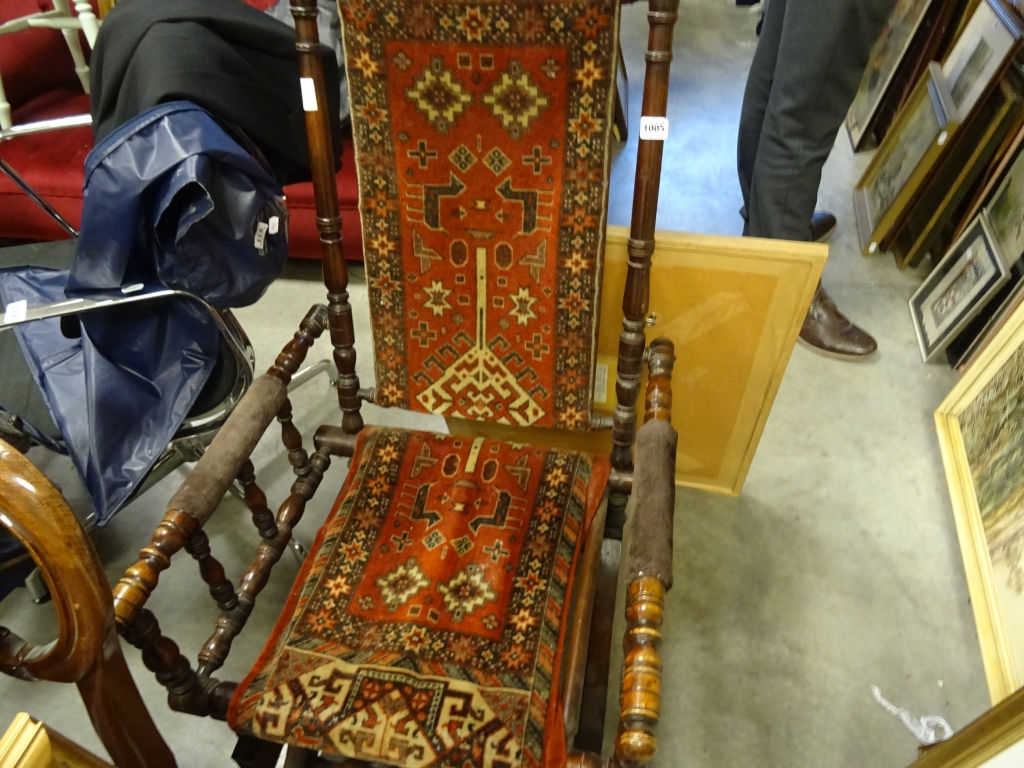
87 650
482 138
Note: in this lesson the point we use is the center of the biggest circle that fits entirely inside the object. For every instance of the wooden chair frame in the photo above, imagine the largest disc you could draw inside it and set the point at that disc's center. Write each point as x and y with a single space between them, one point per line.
650 482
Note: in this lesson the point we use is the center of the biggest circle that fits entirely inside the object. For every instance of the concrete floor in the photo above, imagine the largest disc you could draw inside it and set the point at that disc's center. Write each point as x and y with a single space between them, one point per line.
837 568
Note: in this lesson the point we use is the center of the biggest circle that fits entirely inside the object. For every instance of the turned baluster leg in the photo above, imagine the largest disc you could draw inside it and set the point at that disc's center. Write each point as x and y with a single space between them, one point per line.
292 440
74 45
328 217
139 581
230 623
90 24
310 329
256 501
640 710
211 571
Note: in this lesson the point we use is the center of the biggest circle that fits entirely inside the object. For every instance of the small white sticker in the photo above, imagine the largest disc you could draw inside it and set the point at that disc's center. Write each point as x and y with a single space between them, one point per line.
873 247
275 224
133 288
942 138
308 94
15 311
653 128
601 383
261 235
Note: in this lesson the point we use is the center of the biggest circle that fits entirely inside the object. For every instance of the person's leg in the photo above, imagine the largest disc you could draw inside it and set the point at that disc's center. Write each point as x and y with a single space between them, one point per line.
822 53
755 98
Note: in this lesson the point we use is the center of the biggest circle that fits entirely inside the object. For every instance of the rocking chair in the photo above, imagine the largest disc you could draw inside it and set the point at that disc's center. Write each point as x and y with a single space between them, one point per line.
457 603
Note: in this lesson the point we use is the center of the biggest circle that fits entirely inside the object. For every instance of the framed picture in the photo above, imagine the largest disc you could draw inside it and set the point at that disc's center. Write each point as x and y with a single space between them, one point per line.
993 740
1006 211
733 306
981 434
957 289
904 160
980 53
886 56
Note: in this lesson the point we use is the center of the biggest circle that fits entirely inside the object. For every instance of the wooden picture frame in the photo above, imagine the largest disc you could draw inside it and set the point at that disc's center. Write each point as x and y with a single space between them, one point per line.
887 56
733 307
957 289
993 740
979 427
903 162
988 40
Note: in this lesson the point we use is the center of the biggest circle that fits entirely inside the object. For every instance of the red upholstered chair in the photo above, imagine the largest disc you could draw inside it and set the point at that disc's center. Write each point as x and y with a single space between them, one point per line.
456 606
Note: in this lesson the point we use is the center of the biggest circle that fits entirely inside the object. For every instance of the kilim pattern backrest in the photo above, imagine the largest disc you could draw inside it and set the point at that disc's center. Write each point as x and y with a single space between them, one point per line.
482 136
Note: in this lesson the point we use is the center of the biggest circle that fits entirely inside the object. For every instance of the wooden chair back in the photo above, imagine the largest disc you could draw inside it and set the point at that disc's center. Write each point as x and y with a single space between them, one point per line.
87 650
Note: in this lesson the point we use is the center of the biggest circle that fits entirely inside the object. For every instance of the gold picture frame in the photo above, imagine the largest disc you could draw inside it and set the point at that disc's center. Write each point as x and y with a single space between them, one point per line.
733 306
904 161
996 738
979 426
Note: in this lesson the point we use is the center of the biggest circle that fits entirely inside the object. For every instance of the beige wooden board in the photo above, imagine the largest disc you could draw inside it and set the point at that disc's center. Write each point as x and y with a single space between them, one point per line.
733 307
981 434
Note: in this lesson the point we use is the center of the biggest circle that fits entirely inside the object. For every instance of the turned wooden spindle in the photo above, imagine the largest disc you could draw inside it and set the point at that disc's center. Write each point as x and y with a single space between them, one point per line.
294 353
139 581
328 216
292 440
256 501
640 701
660 360
211 571
661 16
186 692
231 623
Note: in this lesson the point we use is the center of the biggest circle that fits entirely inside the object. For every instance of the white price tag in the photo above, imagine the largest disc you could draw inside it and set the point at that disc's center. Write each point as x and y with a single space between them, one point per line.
275 225
261 235
653 128
601 383
15 311
308 94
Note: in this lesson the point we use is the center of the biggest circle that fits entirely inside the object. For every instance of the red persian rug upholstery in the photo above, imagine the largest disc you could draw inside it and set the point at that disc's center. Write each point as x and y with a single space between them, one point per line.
426 626
482 135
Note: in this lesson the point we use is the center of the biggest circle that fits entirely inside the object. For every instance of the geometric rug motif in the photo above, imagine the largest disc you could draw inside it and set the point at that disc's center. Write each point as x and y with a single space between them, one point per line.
482 137
425 628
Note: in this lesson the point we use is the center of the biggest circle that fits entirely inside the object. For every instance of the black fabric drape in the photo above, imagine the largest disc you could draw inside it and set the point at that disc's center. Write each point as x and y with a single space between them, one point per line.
234 61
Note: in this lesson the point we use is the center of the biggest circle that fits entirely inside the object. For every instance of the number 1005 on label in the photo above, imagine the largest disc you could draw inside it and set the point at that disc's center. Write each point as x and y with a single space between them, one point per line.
653 128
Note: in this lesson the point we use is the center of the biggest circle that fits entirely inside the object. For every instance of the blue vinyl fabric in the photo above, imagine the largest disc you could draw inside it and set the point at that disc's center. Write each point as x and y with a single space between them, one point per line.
170 198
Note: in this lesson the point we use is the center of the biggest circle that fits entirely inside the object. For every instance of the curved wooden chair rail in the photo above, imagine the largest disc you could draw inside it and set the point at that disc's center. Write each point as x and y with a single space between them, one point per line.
87 650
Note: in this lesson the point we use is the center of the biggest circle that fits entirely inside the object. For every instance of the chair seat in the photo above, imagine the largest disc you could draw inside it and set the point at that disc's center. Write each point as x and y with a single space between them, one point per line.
426 625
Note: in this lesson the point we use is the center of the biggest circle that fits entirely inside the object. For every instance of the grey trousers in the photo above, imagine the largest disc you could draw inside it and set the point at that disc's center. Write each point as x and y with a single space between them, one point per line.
808 64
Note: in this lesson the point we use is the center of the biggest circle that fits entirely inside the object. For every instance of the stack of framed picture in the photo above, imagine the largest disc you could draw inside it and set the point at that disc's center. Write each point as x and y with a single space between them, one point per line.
956 124
979 282
918 32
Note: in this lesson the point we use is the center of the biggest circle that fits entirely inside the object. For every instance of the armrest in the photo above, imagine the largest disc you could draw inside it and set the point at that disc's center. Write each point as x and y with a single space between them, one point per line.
649 566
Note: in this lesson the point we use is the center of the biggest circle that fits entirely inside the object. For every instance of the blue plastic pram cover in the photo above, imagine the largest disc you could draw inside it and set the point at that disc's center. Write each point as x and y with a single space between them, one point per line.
170 198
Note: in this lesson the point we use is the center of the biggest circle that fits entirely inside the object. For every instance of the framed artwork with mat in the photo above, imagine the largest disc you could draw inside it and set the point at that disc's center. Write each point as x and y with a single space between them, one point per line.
957 289
981 434
980 53
904 160
733 308
886 57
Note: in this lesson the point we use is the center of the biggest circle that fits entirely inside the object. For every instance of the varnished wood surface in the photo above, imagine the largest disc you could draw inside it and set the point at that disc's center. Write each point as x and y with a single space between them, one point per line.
87 650
29 743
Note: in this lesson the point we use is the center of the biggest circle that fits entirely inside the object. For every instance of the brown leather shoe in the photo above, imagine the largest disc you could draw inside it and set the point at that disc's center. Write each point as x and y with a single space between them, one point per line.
823 224
828 332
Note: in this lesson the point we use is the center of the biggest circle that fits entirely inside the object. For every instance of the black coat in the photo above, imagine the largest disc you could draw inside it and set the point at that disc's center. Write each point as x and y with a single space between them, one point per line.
230 59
